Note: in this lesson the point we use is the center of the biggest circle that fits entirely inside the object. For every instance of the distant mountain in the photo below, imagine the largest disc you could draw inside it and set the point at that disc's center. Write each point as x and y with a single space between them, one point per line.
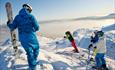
109 28
113 14
110 16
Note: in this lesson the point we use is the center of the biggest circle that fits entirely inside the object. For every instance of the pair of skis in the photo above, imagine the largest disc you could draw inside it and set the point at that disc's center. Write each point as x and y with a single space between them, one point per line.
10 19
9 12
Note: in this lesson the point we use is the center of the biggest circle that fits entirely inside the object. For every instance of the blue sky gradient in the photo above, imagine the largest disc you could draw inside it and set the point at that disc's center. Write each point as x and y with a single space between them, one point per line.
60 9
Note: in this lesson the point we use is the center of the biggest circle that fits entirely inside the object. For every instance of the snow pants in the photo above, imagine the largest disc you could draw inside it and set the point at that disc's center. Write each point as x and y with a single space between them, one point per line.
32 52
100 59
74 45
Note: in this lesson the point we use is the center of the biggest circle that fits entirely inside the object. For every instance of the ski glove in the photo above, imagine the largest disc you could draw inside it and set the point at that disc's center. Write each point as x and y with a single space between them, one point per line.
65 37
90 46
8 21
91 37
95 47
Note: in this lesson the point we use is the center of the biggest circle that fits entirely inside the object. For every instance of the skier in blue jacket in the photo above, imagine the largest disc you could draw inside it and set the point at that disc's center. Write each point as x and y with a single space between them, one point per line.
27 26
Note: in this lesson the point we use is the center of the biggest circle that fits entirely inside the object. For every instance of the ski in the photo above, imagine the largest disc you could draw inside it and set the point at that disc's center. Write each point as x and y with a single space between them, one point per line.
10 18
9 12
90 62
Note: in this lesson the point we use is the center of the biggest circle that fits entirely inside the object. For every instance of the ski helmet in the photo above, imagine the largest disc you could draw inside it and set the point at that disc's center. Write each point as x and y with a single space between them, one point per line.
28 7
100 33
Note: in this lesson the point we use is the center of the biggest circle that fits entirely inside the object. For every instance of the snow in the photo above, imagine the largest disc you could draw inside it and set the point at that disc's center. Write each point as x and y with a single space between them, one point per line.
109 28
56 54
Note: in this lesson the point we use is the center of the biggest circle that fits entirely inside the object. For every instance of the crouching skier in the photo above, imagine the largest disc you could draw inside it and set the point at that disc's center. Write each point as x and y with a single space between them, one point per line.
99 50
27 26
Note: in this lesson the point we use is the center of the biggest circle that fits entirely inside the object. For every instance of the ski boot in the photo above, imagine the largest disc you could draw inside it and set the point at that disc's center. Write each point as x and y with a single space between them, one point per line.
75 51
104 67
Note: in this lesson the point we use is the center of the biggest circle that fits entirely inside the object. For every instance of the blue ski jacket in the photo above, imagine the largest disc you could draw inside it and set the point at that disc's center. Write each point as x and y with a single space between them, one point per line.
27 26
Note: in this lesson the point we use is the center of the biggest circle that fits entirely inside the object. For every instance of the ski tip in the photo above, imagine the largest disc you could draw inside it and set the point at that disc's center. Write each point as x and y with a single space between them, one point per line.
7 4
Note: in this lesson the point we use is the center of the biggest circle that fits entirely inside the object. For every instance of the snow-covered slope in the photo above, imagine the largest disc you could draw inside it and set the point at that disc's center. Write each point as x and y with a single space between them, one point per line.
56 54
52 58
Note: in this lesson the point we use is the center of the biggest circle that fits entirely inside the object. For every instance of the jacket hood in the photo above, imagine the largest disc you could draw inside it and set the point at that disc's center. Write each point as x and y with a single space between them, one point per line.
23 12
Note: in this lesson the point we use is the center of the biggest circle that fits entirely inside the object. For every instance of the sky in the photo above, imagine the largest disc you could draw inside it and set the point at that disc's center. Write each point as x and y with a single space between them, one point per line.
60 9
